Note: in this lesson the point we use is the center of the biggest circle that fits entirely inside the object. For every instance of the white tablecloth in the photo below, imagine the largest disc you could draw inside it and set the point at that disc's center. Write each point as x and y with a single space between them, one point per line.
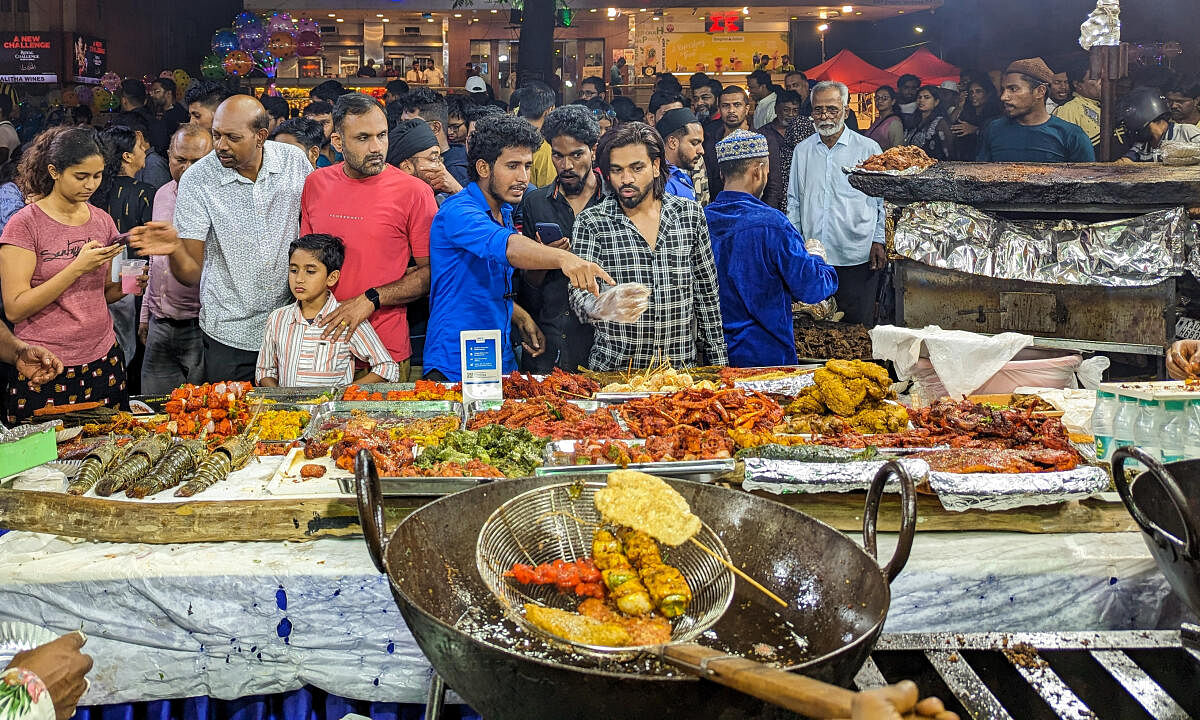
235 619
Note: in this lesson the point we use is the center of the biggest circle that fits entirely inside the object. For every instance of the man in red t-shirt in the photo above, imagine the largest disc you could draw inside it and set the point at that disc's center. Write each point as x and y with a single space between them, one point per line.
383 215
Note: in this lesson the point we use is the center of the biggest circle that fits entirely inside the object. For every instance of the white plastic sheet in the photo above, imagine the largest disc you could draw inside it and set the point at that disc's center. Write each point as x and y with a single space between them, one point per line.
963 360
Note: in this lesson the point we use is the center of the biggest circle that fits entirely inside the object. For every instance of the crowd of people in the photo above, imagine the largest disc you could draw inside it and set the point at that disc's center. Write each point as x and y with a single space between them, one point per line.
358 238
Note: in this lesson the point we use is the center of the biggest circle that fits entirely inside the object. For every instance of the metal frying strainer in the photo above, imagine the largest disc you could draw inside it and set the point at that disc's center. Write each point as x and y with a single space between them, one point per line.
558 521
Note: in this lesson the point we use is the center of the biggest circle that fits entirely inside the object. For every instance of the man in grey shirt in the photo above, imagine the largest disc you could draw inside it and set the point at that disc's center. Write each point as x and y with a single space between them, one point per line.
238 210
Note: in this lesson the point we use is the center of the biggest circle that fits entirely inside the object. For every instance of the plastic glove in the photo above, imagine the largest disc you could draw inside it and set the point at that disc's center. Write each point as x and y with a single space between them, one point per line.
814 247
624 303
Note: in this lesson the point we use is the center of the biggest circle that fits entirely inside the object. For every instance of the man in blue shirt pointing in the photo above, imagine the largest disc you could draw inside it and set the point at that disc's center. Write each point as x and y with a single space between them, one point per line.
763 264
473 248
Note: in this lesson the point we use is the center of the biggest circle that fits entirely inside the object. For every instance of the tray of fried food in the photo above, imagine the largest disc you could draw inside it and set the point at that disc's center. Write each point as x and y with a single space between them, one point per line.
552 416
682 452
658 379
309 395
900 160
421 390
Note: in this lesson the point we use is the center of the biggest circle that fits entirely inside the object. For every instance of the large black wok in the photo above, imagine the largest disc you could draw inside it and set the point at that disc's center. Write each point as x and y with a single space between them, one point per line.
837 592
1165 502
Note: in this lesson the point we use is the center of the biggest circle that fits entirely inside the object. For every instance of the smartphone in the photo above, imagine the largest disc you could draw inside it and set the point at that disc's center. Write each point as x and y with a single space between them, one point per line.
122 239
549 233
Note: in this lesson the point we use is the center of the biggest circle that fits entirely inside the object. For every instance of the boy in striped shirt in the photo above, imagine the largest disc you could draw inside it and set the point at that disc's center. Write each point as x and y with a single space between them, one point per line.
293 352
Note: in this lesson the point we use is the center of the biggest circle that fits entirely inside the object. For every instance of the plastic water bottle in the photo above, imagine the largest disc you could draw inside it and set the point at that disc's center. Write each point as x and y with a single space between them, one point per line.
1192 443
1174 434
1103 424
1125 421
1146 432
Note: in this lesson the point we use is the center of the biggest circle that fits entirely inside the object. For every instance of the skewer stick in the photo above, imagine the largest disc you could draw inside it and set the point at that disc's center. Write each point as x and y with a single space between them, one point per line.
739 573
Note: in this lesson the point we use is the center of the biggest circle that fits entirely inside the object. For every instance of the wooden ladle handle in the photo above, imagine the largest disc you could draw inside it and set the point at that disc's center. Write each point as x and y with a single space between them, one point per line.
800 694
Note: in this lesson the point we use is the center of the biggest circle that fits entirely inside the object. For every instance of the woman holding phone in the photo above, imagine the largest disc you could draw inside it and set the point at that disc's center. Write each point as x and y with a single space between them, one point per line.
55 275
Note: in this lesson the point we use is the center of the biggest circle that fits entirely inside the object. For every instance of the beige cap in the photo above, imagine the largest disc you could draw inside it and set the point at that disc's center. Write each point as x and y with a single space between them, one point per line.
1033 67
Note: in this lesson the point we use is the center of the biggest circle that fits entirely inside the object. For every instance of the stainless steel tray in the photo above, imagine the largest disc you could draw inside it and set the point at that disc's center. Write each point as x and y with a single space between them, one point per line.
381 409
558 451
310 395
418 486
382 388
478 406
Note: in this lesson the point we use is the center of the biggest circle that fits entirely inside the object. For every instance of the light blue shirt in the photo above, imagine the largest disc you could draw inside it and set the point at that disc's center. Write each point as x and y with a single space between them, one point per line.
821 203
679 184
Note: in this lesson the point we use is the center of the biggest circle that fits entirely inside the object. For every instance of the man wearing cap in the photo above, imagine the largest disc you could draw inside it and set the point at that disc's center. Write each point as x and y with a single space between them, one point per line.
1028 133
763 263
683 136
477 90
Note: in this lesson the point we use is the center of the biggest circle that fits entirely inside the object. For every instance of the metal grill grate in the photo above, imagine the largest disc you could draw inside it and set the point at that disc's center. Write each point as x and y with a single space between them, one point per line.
1125 675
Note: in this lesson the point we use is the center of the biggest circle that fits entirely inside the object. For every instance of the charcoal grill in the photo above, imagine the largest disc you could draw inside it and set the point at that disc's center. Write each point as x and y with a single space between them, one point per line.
1122 675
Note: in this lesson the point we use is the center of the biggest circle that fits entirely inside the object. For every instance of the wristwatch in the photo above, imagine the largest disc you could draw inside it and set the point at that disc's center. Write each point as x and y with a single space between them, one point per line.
373 295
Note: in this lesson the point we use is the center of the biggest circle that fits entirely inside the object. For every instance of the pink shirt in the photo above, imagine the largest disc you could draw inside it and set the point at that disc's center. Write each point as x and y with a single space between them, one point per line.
76 327
166 297
384 220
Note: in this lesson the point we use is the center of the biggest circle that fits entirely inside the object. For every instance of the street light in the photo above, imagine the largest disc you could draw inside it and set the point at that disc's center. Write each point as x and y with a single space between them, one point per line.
918 29
821 30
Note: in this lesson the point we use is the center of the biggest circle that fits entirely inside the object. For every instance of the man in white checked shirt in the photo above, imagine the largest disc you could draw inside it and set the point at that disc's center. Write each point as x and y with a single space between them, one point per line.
661 241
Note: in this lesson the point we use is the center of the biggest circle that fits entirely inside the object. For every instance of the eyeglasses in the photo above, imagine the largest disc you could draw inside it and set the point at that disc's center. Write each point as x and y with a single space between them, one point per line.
826 110
601 114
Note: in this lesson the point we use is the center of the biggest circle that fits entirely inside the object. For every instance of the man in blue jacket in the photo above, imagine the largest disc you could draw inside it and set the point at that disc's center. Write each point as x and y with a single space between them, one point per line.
763 264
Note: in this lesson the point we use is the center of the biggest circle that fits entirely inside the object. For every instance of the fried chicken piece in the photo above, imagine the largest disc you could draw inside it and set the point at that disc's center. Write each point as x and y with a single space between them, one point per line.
841 395
879 417
808 402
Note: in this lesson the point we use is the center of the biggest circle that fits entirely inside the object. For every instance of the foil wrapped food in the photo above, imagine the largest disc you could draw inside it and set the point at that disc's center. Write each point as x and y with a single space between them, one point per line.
995 491
1130 252
786 477
1102 26
791 385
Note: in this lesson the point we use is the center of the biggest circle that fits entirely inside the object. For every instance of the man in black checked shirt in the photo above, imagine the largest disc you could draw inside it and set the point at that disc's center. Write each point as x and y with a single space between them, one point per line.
661 241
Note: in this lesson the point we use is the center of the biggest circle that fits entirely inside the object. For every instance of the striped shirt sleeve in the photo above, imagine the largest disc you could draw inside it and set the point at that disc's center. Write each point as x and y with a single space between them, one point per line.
268 362
366 346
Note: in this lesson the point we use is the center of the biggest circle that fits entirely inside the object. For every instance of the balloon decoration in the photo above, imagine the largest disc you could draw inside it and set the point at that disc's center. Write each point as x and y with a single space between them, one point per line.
252 36
212 67
238 63
244 19
281 45
182 80
266 62
257 43
70 97
110 81
224 41
83 93
167 74
280 22
102 99
54 98
308 44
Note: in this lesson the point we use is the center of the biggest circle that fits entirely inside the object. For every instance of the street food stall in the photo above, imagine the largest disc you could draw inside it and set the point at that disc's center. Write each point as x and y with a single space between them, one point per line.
210 545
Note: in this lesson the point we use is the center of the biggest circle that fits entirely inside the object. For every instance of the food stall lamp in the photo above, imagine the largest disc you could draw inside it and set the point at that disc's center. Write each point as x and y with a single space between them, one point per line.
592 10
494 11
503 58
332 15
847 9
823 27
612 12
385 20
378 15
746 10
919 29
823 15
457 14
340 20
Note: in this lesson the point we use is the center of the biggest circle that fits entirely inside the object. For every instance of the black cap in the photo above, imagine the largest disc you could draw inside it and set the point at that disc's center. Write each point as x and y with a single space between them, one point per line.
676 119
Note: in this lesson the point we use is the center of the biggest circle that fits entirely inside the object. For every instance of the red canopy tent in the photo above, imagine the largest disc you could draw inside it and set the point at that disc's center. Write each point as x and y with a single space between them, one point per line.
929 67
857 74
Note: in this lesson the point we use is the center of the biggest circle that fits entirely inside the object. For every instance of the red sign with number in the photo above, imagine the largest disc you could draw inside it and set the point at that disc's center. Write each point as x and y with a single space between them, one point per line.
725 22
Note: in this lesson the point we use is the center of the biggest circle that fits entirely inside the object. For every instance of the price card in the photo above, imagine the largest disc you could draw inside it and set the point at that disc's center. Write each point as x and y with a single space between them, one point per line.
481 366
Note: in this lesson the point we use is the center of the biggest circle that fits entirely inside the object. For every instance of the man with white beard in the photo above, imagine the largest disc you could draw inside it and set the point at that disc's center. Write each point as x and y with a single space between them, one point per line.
823 206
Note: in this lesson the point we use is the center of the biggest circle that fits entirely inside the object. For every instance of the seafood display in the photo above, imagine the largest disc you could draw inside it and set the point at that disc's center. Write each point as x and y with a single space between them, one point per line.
179 460
135 463
423 390
121 423
731 408
848 395
966 460
469 469
552 417
227 457
95 464
423 431
558 382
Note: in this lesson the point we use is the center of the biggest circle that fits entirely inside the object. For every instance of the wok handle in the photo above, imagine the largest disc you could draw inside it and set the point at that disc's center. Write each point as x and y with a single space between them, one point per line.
370 507
1174 493
908 516
800 694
